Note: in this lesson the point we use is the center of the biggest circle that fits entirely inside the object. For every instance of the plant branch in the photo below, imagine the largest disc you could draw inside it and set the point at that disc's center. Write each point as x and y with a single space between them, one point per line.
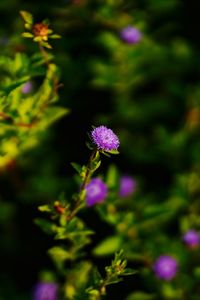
88 173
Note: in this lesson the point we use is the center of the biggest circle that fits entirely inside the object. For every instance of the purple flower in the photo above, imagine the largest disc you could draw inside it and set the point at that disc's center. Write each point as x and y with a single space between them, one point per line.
127 186
130 35
191 238
96 191
105 139
45 291
165 267
27 87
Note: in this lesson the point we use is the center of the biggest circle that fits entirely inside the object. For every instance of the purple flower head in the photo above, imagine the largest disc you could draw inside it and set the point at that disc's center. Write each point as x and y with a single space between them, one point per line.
104 138
96 191
165 267
130 35
191 238
27 87
127 186
45 291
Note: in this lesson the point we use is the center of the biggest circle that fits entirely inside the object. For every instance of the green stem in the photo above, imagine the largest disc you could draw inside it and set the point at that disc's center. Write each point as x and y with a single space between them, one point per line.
44 54
79 204
88 171
101 289
56 84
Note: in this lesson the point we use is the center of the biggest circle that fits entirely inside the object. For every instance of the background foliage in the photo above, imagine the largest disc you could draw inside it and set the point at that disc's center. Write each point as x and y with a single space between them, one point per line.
148 93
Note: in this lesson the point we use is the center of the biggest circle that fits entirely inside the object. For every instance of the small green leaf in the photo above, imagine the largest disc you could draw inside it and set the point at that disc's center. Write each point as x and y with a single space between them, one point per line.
114 280
112 177
77 167
140 296
53 114
129 271
62 235
14 85
81 233
27 17
55 36
90 145
112 151
108 246
27 35
47 226
46 45
45 21
58 253
44 208
96 276
37 39
28 26
155 210
92 292
96 166
105 153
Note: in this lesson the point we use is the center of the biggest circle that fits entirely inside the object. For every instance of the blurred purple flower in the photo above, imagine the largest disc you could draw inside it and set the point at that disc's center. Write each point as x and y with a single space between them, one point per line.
45 291
191 238
96 191
127 186
130 35
27 87
104 138
165 267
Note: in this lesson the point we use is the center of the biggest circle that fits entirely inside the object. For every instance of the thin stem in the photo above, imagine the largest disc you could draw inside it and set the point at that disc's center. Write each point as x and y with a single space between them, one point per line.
30 125
88 171
4 116
20 124
44 54
101 290
56 85
78 204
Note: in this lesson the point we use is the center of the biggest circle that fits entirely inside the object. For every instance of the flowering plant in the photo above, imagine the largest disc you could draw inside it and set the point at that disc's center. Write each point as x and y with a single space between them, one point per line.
132 71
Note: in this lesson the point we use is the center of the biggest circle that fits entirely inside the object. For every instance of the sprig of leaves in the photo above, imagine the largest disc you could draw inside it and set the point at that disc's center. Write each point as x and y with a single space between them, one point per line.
114 274
25 117
38 32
